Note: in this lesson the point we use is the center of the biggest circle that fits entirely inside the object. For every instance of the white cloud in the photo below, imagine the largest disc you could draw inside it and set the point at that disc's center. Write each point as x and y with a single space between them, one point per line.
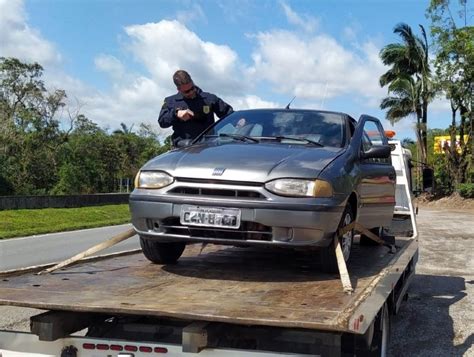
306 22
133 103
350 33
110 65
189 15
251 101
166 46
316 67
18 40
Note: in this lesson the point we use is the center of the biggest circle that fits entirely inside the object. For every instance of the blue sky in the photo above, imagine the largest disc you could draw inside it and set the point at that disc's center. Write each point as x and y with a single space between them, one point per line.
115 58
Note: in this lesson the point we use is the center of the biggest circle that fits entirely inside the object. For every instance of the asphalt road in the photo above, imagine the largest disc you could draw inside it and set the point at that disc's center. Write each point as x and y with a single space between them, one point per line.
437 319
48 248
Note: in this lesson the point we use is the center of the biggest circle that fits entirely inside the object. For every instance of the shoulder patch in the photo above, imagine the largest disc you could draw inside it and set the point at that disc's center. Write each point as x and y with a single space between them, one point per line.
164 103
206 109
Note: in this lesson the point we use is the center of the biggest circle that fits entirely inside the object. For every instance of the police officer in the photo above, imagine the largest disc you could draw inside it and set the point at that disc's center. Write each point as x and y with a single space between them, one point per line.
191 110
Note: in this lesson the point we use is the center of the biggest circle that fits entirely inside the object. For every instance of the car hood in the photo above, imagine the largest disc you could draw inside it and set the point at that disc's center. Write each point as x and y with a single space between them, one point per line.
245 161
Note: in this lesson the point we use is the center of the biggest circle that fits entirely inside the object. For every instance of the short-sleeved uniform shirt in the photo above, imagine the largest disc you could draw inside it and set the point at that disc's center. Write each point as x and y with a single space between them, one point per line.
204 105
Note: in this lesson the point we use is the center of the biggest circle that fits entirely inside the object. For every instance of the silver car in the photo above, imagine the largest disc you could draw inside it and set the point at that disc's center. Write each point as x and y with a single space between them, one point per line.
269 177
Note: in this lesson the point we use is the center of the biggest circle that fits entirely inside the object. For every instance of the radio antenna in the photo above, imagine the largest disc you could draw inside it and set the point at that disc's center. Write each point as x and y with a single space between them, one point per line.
291 101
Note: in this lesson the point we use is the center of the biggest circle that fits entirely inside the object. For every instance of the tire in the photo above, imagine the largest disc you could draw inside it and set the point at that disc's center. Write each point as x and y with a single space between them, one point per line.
381 335
328 255
366 241
161 253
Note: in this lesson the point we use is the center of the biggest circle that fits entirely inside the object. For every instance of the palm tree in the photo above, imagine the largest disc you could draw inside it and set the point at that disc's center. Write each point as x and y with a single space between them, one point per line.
125 129
408 81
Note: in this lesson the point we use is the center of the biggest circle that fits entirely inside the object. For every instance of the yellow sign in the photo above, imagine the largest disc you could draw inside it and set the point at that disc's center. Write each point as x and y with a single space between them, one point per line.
443 143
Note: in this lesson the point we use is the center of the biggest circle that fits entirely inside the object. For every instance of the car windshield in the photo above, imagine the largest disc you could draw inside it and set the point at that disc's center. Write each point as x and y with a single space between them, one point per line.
303 127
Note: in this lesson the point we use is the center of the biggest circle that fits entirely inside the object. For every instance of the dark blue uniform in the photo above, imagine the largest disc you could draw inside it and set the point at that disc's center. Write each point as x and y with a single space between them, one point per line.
204 105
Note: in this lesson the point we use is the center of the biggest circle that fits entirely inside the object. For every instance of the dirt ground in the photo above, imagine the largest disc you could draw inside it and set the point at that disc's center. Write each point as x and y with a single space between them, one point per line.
455 201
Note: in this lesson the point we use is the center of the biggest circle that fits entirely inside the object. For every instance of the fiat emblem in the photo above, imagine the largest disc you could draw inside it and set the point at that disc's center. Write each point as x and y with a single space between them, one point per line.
218 171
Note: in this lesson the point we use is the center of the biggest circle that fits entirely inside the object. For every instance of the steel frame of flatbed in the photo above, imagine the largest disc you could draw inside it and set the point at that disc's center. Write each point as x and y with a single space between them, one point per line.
387 286
229 279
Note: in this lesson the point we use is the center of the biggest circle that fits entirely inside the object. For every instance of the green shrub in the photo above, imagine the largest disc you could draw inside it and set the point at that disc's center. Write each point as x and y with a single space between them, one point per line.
443 181
466 190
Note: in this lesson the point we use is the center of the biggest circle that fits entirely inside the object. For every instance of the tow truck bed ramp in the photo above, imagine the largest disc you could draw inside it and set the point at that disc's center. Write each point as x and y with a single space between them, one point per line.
232 285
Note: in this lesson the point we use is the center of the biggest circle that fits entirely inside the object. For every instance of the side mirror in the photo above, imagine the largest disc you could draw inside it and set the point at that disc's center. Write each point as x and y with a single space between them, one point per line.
428 179
183 143
378 152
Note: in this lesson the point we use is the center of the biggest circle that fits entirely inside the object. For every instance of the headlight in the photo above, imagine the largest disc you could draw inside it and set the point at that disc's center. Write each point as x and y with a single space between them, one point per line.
300 188
153 179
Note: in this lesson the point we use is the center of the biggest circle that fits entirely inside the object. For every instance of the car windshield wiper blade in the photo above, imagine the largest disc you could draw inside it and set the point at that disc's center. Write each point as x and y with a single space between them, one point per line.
280 138
239 137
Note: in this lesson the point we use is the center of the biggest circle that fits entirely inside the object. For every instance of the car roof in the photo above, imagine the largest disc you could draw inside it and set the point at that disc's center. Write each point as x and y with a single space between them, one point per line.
296 110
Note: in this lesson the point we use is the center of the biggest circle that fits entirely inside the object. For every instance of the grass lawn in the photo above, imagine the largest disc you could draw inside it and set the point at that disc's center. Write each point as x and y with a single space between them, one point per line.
26 222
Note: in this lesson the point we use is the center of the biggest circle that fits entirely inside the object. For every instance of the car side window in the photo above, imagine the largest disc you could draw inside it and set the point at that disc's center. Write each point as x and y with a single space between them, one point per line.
372 136
352 126
366 143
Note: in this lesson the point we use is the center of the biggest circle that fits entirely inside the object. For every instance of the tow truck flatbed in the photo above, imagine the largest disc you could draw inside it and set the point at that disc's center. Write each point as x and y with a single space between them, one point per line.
232 285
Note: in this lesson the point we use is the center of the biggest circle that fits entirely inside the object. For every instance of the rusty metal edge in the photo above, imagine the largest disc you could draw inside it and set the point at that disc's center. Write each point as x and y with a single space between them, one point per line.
392 269
332 325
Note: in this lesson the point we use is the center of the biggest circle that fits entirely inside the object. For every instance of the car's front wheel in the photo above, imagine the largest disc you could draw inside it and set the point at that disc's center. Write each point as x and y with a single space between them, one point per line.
161 253
328 255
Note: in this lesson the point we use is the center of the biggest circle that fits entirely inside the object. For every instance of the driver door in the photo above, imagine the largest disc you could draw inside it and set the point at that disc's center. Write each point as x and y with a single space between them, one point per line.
376 176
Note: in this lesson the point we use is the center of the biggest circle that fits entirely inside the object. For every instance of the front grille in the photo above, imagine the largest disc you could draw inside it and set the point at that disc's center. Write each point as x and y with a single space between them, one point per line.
217 182
199 191
247 230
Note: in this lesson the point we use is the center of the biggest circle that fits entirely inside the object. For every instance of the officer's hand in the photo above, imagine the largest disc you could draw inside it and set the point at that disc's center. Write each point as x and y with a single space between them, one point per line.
184 114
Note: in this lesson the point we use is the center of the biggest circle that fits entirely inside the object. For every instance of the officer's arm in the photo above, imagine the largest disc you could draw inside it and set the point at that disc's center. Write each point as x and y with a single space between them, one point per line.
167 115
221 108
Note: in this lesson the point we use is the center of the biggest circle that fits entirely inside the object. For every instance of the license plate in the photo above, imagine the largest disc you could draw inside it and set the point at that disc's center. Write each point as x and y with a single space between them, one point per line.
210 216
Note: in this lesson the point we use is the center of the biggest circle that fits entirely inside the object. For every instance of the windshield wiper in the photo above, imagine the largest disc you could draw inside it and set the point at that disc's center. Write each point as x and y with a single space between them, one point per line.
280 138
239 137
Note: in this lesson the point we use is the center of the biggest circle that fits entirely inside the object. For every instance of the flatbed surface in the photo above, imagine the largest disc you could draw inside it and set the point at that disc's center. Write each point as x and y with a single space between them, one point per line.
226 284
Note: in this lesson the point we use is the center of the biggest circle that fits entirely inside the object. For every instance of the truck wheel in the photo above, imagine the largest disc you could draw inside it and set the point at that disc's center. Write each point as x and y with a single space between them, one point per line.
366 241
328 255
381 336
161 253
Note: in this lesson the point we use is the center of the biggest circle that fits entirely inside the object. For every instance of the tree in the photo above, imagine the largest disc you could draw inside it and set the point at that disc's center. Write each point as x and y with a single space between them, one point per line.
454 68
136 149
125 129
40 156
29 128
89 163
408 81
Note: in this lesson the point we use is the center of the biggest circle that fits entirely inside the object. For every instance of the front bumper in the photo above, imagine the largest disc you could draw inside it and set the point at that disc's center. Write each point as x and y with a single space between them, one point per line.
286 224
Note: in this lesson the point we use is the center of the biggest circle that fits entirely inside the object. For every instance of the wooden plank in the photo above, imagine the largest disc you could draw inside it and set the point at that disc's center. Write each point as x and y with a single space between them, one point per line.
342 267
92 250
251 286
